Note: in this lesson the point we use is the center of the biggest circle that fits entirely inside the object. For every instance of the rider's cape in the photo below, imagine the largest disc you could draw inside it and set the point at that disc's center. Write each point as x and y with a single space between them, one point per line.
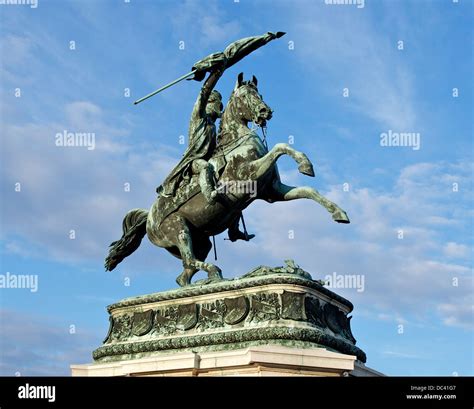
201 146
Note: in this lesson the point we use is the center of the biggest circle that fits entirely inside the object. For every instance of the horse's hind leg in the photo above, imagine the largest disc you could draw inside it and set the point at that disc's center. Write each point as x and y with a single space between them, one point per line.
282 192
185 277
202 246
178 233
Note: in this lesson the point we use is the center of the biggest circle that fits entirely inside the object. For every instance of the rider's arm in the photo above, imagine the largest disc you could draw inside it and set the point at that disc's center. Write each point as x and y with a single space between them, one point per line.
199 110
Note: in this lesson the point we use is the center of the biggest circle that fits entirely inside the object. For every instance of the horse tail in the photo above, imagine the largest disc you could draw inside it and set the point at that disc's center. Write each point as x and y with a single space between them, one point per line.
134 229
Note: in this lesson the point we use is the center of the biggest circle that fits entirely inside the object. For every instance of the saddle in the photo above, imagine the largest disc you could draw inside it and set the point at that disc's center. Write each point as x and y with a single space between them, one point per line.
168 204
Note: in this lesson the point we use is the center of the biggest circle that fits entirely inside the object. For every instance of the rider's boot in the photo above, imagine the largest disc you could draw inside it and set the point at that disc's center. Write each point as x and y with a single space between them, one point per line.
234 232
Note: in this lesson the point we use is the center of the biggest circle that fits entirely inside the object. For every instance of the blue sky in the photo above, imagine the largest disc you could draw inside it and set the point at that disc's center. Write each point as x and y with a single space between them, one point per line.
410 319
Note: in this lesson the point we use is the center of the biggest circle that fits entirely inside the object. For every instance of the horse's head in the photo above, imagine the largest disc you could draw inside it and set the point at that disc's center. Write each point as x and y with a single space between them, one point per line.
247 104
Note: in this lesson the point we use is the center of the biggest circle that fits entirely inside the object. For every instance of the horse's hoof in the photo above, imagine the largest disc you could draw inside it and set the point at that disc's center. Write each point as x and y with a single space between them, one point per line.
306 169
340 216
214 272
182 280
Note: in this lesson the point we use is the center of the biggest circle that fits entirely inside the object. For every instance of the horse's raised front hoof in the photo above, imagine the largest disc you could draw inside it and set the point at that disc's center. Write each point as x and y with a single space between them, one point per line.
340 216
306 168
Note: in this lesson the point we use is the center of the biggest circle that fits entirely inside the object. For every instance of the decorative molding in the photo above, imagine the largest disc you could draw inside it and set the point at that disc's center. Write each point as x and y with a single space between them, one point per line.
267 304
222 339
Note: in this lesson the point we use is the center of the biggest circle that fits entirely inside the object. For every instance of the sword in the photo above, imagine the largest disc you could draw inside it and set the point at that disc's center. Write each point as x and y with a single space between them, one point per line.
189 74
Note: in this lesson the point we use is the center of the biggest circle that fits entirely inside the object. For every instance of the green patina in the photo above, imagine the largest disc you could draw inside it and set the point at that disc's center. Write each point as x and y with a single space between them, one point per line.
281 305
220 174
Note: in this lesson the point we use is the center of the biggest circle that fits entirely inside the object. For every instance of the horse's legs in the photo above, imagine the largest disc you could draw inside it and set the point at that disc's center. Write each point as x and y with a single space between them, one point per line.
282 192
178 233
202 247
259 167
185 277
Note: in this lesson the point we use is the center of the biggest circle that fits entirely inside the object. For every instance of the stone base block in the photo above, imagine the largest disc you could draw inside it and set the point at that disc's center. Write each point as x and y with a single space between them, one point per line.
270 360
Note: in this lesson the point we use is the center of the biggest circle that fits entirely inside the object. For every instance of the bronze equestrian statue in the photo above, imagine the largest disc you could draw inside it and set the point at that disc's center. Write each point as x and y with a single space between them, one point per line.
207 191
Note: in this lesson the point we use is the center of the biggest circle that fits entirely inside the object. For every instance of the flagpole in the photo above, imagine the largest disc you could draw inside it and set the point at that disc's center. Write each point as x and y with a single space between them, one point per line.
165 87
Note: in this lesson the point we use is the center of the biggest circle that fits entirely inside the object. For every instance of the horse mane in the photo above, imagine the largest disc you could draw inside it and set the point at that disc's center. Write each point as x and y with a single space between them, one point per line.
227 112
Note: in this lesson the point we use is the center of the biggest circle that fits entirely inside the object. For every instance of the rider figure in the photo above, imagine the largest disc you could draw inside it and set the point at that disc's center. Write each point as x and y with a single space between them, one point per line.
202 142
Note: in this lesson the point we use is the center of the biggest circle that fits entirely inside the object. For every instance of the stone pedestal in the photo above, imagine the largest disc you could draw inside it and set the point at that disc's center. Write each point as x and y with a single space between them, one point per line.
271 321
270 360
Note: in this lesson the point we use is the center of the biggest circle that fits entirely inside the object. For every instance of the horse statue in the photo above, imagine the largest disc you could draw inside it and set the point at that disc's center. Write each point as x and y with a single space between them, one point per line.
240 159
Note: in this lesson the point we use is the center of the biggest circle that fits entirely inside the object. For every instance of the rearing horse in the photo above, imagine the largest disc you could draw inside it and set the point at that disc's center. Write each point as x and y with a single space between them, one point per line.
239 159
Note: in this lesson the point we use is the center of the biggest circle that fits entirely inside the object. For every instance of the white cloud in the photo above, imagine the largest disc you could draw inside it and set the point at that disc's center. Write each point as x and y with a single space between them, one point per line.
455 250
64 188
19 49
380 86
404 355
33 345
204 26
460 314
82 112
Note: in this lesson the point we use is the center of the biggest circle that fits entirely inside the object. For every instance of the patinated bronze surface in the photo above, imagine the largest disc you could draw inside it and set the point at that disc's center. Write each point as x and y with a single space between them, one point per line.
221 173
